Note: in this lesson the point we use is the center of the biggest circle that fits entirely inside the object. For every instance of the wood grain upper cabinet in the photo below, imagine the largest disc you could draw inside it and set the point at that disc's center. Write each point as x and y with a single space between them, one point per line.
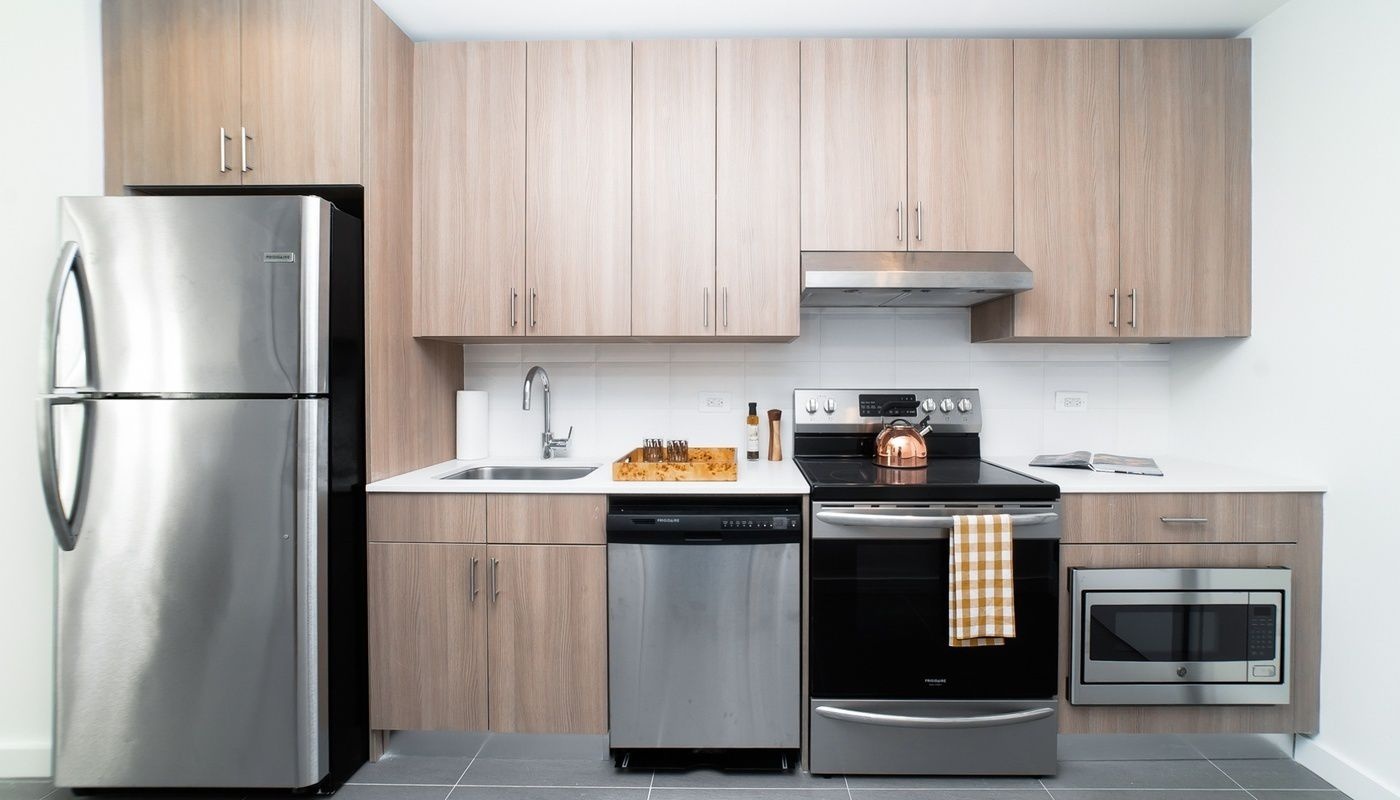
960 133
172 86
853 144
427 636
673 188
549 639
1186 188
1066 192
578 188
758 187
469 269
301 91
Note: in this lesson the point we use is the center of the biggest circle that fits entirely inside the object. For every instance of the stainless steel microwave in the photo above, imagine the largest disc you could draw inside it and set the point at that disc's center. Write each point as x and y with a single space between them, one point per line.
1180 636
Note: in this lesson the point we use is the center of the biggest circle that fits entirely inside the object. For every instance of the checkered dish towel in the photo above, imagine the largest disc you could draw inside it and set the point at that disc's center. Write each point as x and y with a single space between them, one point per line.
981 603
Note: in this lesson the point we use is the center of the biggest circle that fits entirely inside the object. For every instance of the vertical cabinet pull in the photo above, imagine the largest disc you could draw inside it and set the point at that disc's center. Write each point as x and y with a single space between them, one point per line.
724 307
1132 319
705 308
474 590
224 139
1113 296
514 320
495 581
899 222
534 308
247 165
919 221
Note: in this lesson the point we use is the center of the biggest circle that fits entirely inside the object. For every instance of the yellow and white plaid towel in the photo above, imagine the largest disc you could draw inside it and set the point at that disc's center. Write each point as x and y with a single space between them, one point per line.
981 603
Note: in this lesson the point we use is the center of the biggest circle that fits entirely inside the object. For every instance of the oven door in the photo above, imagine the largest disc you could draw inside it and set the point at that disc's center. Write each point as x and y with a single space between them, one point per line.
879 607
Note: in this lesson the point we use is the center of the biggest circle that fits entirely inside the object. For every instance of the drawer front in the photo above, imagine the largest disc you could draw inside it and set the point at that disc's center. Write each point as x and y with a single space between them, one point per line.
427 517
547 518
1191 517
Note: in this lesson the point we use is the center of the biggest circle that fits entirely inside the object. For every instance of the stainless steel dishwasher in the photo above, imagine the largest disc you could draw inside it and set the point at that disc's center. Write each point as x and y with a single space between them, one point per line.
704 623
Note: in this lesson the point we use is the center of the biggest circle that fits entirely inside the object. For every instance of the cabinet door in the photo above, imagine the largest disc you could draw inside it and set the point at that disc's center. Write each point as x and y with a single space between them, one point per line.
1066 139
1186 187
578 188
853 144
673 188
174 82
427 517
547 518
758 187
301 91
469 129
427 636
960 144
549 639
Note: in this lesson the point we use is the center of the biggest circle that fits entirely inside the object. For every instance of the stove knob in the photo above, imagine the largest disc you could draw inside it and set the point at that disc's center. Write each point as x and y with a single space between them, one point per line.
964 405
830 406
928 405
812 406
946 406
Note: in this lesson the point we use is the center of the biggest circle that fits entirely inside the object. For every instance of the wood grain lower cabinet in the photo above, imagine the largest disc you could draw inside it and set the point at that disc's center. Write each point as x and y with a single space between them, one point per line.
1200 517
428 637
549 639
547 518
430 517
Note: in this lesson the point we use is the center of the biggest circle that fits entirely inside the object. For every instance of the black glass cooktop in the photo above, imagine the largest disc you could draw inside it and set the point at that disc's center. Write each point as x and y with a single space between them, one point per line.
946 479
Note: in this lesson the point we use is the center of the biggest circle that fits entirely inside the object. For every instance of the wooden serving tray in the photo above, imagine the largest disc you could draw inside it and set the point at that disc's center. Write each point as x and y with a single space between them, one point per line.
705 464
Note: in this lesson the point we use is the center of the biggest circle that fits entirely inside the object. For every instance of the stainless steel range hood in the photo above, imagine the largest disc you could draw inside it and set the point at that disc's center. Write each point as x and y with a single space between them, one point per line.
909 280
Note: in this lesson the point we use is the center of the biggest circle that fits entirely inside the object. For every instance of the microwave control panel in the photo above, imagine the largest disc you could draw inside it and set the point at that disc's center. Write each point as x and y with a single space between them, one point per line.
1263 632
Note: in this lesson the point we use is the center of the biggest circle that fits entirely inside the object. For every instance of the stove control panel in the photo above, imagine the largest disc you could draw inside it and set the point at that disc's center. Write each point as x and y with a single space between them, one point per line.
858 410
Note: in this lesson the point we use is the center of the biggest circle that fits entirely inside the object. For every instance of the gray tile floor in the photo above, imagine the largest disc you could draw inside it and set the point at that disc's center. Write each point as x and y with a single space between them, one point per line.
499 768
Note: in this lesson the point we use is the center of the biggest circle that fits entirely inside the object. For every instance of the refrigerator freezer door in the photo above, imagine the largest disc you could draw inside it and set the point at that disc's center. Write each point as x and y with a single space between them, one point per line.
194 295
191 610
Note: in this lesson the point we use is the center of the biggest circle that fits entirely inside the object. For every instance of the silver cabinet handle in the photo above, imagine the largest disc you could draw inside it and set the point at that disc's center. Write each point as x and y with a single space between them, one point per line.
534 308
862 519
514 320
899 222
224 139
705 308
724 307
1184 520
919 217
1113 320
247 137
899 721
495 581
472 583
1132 320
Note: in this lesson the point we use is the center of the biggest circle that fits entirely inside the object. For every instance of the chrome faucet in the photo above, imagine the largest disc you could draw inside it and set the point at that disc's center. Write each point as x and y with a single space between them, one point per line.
549 446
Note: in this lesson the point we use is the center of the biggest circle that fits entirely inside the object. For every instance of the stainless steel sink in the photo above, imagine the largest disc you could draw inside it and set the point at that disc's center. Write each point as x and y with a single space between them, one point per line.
520 474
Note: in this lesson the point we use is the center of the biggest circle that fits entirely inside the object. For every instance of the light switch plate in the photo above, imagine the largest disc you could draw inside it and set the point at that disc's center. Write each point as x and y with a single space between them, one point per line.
714 402
1071 401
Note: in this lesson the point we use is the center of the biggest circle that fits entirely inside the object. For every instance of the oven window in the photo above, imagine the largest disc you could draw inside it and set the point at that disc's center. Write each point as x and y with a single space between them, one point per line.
1169 632
879 624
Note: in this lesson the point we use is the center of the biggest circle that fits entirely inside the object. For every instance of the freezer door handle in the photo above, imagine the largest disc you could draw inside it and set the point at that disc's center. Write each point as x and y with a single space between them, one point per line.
65 522
901 721
70 264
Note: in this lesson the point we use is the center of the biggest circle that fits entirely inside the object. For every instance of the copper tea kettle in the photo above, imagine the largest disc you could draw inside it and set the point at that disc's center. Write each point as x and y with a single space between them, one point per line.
902 445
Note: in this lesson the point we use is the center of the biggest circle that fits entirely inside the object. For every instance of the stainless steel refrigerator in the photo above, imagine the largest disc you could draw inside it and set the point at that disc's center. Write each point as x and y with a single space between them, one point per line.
201 437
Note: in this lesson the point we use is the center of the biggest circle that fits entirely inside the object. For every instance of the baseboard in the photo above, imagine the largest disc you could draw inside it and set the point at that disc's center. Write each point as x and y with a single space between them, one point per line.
25 760
1356 783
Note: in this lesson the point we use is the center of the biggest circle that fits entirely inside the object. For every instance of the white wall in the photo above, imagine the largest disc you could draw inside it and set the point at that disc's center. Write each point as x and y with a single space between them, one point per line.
616 394
51 81
1313 392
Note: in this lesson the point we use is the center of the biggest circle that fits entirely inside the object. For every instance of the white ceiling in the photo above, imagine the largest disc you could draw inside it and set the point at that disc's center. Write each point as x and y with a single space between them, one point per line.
426 20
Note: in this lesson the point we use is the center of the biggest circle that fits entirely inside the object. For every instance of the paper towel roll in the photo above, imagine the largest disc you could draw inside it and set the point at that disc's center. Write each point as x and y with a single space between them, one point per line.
473 430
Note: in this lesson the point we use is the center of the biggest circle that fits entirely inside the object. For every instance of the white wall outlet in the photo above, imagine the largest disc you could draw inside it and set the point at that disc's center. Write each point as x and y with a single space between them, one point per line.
1071 401
714 402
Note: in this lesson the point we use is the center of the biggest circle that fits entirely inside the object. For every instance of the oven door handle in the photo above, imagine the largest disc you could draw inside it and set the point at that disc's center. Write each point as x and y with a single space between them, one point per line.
862 519
900 721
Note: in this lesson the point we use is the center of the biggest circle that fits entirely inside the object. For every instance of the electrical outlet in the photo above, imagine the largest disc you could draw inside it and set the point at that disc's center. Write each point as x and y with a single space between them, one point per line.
1071 401
714 402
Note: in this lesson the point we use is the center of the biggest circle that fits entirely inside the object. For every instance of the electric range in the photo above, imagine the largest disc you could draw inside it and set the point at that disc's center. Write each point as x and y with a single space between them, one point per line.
887 693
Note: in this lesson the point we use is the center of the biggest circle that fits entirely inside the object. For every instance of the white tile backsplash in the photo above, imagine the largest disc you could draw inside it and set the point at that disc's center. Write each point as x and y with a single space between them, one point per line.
616 393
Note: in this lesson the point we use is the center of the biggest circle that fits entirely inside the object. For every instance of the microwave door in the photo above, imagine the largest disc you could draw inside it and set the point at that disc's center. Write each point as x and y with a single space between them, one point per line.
1166 637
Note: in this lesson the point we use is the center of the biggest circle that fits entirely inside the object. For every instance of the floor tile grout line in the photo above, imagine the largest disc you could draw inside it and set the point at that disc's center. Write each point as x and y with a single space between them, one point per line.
847 781
1211 761
651 785
1045 788
479 748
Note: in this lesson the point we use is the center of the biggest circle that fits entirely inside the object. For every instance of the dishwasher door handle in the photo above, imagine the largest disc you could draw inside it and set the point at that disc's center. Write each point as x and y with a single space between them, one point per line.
901 721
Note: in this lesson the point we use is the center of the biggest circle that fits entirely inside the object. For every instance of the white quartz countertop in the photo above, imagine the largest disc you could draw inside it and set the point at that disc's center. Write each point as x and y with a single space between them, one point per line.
755 477
1181 475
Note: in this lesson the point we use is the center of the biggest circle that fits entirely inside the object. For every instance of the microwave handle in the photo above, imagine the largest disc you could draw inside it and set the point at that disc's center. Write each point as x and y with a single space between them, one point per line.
900 721
862 519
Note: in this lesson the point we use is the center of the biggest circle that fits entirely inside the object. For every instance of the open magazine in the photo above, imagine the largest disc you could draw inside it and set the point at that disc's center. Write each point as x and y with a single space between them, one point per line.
1099 462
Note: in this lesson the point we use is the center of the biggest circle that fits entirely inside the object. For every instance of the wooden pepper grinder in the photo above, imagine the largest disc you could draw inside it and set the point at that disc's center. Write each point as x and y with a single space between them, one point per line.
775 434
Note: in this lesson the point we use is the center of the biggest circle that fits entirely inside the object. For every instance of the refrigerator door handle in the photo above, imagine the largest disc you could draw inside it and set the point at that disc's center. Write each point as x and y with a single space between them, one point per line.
65 522
70 263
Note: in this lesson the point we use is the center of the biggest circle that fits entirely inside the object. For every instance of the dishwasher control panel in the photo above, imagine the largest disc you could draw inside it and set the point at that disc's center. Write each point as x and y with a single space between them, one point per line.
719 519
756 523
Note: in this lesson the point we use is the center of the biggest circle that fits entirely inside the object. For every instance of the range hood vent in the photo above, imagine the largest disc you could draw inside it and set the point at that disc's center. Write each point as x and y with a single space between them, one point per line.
909 280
